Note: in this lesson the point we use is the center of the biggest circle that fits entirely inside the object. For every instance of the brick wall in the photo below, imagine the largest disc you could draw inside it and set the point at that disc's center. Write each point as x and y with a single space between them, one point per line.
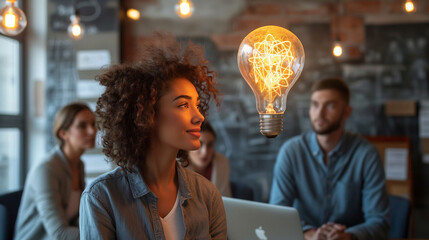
347 20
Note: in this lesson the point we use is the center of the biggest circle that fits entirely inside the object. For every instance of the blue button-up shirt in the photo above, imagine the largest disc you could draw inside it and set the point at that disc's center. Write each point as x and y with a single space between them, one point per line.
119 205
349 189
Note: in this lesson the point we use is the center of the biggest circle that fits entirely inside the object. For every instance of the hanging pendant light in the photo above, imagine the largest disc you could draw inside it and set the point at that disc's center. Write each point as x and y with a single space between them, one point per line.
184 8
12 19
337 49
75 29
409 6
133 14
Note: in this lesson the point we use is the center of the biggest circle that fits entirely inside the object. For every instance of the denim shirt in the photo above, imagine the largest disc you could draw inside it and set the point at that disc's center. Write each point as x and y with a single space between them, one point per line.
349 190
119 205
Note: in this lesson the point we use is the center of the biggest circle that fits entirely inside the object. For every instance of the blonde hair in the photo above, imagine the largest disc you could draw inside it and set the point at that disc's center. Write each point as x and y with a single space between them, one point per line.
65 117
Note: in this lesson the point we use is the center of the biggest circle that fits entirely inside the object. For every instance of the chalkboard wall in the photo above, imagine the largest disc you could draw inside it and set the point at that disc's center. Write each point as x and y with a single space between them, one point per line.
101 21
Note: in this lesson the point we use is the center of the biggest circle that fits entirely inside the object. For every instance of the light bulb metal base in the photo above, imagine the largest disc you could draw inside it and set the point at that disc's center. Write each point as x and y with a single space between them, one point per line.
271 124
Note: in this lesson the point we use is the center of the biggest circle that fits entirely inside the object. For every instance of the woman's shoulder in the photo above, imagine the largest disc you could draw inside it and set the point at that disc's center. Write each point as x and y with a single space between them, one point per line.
52 162
114 179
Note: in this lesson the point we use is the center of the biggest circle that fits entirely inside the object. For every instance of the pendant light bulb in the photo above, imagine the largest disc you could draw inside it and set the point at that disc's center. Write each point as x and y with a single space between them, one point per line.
12 19
75 29
337 50
184 8
133 14
409 6
270 59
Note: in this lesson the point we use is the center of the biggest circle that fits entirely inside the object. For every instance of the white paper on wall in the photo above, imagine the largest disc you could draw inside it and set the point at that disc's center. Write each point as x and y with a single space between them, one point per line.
92 59
95 163
395 163
89 89
424 119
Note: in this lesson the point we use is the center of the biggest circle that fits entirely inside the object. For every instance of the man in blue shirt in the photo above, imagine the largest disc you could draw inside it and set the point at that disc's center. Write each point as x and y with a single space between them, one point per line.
334 178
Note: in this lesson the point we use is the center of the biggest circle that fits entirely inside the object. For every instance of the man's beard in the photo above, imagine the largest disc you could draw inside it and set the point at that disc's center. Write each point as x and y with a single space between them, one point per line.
329 129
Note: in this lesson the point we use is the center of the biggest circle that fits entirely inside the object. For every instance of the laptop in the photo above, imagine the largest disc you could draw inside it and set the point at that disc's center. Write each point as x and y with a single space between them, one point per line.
247 220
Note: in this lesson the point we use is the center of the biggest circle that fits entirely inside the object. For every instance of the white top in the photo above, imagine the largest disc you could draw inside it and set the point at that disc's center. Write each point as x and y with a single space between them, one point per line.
73 207
173 225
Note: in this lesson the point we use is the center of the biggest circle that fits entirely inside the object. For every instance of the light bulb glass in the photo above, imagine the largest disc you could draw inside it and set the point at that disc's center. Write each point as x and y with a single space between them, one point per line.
271 59
76 28
133 14
337 50
184 8
409 6
12 19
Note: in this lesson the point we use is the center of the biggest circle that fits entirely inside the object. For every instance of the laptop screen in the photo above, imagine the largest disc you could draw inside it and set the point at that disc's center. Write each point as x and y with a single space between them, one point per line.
260 221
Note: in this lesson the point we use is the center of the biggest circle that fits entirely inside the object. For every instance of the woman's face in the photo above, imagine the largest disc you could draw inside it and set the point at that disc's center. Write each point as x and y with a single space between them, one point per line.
179 118
203 156
81 133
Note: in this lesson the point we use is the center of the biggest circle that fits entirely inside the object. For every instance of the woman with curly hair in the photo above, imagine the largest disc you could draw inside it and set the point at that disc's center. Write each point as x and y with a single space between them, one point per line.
150 114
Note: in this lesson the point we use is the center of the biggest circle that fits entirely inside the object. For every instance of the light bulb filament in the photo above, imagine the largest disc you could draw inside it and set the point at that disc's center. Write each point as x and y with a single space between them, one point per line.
271 61
10 20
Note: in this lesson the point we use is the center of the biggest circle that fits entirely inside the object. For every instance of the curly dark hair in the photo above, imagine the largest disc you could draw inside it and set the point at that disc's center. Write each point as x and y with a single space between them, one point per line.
126 111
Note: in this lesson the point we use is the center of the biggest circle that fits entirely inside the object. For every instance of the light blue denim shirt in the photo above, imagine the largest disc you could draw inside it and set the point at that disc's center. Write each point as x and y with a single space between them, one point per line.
349 190
119 205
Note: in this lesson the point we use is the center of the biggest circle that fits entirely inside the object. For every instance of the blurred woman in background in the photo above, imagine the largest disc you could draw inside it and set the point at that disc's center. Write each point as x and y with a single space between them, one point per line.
49 207
212 165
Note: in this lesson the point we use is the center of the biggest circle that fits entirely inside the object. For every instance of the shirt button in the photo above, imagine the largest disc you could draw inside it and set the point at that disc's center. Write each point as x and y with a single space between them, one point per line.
328 182
328 196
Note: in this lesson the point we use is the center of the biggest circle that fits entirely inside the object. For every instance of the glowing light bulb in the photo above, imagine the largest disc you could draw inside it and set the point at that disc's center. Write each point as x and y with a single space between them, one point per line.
409 6
337 50
184 8
133 14
12 19
271 59
75 29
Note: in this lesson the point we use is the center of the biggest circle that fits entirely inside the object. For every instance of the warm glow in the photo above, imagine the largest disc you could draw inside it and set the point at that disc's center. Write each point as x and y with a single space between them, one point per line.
133 14
10 20
409 6
338 50
184 8
270 73
76 30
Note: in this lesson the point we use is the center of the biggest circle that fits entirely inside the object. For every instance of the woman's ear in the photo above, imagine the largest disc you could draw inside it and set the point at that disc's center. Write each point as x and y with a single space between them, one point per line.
63 134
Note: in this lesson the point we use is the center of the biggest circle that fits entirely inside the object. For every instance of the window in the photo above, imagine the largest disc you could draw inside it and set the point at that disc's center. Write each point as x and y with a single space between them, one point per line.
11 114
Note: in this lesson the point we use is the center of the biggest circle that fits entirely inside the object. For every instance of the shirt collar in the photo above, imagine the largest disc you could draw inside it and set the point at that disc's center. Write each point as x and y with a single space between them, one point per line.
316 150
139 188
